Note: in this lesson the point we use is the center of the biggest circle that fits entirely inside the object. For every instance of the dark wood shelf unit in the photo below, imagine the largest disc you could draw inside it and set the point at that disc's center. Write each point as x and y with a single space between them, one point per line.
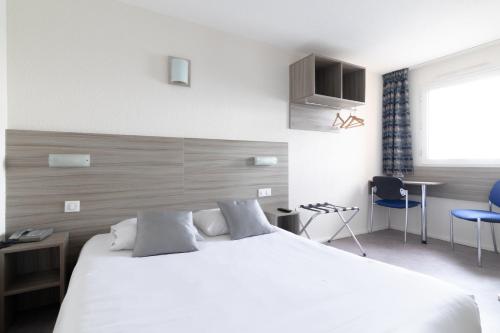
32 275
286 221
327 82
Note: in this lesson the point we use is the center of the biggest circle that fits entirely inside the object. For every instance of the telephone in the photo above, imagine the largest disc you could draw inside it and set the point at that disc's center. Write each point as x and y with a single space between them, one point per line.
30 235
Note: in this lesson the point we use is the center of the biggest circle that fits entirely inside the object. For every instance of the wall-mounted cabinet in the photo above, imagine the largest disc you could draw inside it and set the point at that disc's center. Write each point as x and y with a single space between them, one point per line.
318 80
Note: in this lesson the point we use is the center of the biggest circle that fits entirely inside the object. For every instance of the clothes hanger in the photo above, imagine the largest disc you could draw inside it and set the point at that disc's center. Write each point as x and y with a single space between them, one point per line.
340 121
347 121
356 122
353 121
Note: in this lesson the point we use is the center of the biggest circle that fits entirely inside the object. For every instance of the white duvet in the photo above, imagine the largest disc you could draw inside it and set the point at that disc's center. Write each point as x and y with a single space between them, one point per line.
271 283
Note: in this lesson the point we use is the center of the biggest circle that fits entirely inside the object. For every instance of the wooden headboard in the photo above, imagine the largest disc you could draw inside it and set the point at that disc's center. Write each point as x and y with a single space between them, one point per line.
130 173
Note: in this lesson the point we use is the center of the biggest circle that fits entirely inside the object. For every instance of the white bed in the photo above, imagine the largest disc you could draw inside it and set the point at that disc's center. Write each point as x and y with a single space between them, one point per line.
277 282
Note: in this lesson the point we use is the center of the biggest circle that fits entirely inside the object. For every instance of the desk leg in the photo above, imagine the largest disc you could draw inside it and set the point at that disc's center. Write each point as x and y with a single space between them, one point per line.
3 311
423 231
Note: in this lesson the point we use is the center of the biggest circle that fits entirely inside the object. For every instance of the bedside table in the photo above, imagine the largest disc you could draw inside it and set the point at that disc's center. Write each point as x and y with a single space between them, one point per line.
32 274
287 221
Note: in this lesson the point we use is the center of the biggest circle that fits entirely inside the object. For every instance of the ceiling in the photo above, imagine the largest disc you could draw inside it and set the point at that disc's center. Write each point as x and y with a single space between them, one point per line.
382 35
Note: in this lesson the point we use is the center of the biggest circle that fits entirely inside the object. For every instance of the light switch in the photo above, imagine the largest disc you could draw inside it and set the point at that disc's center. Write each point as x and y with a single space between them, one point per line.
264 192
71 206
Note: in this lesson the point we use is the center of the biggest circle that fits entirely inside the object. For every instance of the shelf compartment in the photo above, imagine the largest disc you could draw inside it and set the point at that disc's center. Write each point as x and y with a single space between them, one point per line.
328 77
353 83
32 282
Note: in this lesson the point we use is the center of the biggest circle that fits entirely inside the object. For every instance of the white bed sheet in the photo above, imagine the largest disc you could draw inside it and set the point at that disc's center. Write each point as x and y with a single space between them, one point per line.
271 283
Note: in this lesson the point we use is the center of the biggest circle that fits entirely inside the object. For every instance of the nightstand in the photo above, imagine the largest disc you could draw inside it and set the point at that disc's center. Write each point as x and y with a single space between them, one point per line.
32 275
286 221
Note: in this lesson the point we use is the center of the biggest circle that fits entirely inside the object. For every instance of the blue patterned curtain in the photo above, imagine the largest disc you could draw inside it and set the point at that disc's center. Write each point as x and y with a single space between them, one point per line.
397 148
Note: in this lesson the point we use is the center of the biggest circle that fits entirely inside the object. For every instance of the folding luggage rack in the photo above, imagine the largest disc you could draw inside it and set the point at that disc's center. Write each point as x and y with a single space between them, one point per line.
328 208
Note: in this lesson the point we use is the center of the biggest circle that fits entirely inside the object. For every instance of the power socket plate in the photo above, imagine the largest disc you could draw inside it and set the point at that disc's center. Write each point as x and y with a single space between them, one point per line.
264 192
71 206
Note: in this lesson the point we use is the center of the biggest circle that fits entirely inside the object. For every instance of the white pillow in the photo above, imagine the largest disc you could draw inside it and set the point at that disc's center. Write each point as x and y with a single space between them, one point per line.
124 233
211 222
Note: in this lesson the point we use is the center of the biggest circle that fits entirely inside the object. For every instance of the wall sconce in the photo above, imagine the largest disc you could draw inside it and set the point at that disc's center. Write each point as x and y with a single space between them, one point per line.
69 160
179 71
265 160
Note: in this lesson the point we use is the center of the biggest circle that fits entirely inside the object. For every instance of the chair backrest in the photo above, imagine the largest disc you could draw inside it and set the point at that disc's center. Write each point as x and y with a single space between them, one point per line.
388 188
495 194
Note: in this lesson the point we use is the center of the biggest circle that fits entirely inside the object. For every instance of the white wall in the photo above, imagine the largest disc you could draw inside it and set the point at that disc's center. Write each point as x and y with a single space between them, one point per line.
480 58
3 110
336 167
101 66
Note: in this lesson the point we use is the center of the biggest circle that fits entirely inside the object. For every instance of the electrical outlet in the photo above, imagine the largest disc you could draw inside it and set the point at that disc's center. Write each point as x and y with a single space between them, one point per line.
264 192
71 206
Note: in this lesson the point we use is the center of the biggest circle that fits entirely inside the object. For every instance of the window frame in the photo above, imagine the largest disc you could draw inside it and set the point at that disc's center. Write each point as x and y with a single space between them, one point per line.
421 157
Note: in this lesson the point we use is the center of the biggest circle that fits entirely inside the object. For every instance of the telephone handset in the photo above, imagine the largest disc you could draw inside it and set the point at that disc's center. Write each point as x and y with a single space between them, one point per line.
18 234
30 235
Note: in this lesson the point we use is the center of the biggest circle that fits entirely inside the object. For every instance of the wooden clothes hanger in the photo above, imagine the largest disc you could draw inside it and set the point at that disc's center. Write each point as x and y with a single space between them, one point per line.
340 121
353 121
348 120
356 122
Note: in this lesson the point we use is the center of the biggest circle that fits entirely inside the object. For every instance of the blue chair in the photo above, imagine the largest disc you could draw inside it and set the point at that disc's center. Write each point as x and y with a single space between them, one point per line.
392 194
479 216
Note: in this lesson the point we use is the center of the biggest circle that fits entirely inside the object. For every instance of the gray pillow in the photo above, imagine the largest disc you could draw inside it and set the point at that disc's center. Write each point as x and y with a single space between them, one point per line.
245 218
163 232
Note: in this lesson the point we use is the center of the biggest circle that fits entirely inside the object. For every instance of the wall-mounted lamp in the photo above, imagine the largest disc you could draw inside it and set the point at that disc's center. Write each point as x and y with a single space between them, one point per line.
69 160
179 71
265 160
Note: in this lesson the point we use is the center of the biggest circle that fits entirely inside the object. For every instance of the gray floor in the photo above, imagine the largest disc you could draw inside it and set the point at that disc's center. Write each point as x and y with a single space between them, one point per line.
437 259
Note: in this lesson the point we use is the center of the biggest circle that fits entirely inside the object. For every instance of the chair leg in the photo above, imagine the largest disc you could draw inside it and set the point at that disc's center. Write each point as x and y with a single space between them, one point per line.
494 237
389 218
371 213
451 232
479 242
406 220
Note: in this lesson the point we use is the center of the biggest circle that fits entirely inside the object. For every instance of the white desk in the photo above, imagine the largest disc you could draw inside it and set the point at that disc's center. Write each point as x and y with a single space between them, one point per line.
423 186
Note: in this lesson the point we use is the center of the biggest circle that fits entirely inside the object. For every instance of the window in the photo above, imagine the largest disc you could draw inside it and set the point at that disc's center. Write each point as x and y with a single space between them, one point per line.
461 123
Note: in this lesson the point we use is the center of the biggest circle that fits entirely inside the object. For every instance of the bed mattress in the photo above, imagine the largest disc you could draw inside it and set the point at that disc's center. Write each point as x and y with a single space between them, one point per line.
277 282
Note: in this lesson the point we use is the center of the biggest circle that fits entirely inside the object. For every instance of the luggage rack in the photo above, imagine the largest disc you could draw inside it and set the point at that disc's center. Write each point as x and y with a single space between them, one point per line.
328 208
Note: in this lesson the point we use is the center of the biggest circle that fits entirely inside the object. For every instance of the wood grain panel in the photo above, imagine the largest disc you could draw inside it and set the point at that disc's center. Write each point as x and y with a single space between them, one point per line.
461 183
302 78
222 169
127 174
312 118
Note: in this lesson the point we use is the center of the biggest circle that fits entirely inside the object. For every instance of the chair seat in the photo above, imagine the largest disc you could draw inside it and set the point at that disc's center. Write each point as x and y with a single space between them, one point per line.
474 214
399 204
